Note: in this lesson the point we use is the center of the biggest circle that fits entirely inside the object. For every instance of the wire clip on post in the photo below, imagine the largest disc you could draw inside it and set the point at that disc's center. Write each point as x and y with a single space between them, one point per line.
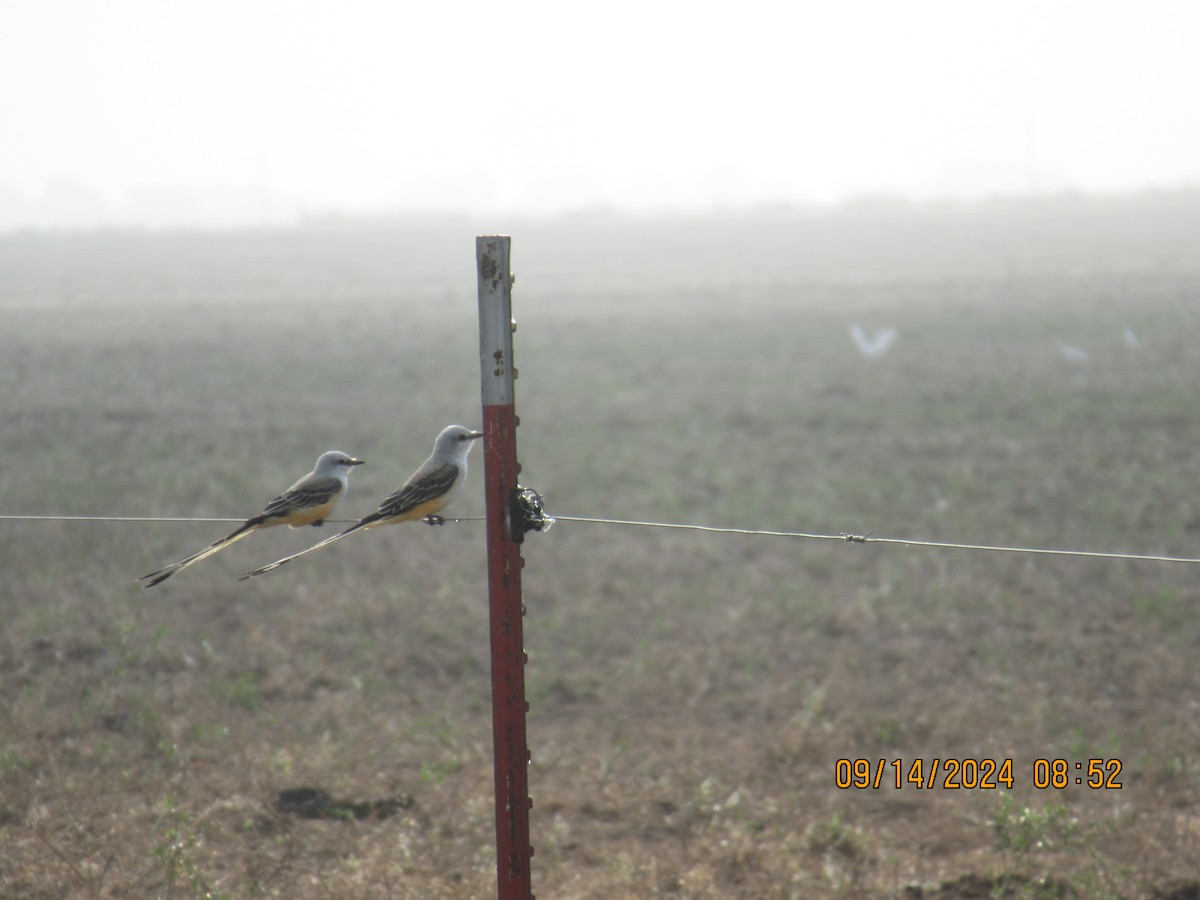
527 513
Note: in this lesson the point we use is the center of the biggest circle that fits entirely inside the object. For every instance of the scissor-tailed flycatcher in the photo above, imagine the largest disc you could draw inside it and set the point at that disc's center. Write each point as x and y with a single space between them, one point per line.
427 492
307 502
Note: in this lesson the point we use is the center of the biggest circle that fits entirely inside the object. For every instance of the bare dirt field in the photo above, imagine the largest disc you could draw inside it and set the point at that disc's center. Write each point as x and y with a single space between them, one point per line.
324 731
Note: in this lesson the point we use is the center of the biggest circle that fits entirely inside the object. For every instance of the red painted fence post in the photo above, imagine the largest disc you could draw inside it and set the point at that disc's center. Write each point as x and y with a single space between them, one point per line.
500 469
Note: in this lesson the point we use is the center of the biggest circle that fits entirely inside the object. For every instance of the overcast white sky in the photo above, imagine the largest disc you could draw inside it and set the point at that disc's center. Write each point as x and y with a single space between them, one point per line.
161 111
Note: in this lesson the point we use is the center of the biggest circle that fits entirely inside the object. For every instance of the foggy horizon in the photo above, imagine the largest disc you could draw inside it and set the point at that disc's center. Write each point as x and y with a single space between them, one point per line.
135 114
70 206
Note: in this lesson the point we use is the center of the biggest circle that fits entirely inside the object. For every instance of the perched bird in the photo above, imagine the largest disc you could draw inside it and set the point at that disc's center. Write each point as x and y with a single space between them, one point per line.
872 345
427 492
307 502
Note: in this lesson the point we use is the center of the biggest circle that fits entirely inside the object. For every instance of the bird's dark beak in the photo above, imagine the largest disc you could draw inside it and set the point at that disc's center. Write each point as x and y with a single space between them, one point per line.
356 462
476 434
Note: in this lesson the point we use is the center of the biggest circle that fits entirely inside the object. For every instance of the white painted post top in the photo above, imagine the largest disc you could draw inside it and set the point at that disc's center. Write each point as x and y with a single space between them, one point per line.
495 319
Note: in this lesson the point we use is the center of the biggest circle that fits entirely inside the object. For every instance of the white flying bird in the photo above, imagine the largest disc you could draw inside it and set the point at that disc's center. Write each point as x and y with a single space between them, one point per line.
873 345
1070 353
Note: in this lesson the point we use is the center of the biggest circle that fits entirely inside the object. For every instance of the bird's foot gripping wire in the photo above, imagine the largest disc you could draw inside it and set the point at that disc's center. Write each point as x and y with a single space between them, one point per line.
434 520
528 513
856 538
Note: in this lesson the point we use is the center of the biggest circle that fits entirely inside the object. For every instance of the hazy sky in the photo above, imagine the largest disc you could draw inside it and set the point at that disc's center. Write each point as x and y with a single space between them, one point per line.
168 109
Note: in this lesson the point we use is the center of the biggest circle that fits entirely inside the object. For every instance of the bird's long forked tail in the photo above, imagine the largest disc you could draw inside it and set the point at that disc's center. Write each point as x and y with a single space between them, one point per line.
161 575
287 559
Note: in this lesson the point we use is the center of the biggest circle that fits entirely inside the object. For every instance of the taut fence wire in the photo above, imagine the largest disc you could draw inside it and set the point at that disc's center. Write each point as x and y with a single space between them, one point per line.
844 537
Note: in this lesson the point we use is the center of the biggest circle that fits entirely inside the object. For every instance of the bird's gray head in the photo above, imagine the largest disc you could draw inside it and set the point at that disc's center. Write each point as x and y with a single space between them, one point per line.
455 442
336 463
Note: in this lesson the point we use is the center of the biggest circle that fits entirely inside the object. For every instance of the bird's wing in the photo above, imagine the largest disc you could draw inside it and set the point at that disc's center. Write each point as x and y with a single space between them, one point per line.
305 494
421 488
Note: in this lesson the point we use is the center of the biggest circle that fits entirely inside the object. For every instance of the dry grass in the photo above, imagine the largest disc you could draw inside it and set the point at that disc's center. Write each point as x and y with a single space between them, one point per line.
690 693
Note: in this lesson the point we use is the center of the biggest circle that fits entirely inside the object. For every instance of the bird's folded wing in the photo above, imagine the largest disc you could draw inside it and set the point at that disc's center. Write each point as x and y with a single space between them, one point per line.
425 486
304 495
